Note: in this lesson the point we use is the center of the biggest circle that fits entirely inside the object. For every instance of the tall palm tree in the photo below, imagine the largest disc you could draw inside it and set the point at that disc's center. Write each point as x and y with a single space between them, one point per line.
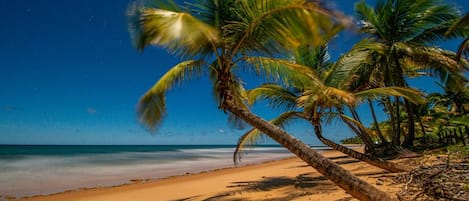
399 36
316 101
229 33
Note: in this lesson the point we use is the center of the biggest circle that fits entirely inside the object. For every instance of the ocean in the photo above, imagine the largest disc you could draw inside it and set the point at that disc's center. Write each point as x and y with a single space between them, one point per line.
27 170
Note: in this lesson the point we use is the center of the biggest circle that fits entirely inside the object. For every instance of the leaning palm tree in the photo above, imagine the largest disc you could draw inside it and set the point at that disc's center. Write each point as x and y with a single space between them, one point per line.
220 36
399 36
318 100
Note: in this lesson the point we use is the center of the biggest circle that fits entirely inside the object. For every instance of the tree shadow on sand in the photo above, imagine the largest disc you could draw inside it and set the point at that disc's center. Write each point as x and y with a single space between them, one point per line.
290 188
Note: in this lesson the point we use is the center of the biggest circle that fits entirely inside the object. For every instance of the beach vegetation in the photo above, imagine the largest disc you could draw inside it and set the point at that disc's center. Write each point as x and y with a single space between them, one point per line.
325 99
222 36
400 45
284 44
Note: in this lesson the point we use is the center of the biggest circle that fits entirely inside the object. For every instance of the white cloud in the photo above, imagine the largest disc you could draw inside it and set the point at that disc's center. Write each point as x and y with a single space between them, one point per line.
91 110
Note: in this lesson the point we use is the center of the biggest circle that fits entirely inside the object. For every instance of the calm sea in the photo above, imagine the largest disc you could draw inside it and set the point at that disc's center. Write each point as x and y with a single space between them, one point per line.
44 169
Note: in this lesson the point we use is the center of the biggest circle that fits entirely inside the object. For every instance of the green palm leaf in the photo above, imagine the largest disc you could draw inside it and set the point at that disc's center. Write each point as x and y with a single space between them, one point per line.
412 95
288 72
347 68
288 22
152 107
429 57
277 96
179 32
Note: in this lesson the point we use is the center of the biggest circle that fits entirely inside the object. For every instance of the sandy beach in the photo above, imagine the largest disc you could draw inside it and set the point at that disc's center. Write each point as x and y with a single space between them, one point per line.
287 179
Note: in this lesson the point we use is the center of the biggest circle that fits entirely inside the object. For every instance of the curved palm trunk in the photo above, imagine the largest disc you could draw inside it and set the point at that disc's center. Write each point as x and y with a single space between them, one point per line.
363 135
342 178
375 121
350 183
355 154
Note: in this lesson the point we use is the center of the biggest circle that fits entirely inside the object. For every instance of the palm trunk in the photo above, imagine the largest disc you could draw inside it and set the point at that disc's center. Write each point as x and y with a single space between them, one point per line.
375 121
342 178
378 162
396 141
350 183
363 134
410 137
390 111
424 133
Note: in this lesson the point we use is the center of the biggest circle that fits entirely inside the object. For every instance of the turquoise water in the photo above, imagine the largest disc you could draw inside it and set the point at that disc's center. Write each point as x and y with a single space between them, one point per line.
43 169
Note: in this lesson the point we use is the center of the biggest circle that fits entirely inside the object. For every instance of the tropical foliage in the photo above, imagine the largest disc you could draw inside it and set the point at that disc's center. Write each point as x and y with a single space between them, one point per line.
220 36
324 98
399 46
283 42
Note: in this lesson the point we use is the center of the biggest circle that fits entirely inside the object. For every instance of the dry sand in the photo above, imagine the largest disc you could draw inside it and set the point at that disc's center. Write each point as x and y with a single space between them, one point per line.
288 179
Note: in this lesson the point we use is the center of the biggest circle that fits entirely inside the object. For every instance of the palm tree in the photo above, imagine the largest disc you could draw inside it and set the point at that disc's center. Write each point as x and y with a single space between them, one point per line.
455 95
399 33
457 29
231 32
318 100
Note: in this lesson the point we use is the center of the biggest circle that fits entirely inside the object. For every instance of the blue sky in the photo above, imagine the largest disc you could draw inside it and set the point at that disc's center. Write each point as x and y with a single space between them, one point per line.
70 75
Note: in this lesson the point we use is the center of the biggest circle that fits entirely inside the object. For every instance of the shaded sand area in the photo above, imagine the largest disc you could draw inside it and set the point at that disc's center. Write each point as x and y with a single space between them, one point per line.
287 179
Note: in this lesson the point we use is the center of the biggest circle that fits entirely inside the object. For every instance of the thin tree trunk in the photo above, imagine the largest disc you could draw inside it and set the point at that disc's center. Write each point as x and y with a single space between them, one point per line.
466 128
454 136
389 106
448 137
396 141
462 136
424 133
410 137
378 162
363 133
342 178
375 121
350 183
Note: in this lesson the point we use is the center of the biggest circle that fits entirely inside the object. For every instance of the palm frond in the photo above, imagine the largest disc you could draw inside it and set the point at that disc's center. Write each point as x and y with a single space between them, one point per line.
367 16
276 95
461 23
410 94
325 97
288 72
345 69
429 20
152 107
253 136
460 120
267 25
418 58
179 32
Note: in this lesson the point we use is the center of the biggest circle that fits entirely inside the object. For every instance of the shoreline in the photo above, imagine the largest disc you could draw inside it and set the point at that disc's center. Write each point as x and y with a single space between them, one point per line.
100 166
157 180
264 180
